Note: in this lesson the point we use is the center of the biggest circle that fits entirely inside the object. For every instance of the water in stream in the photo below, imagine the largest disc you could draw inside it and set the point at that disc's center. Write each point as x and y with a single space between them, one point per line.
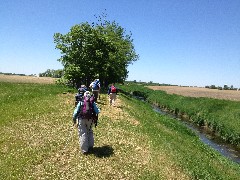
208 138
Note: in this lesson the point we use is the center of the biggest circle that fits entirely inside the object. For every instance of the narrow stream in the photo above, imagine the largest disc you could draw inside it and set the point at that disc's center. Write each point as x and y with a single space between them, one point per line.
208 138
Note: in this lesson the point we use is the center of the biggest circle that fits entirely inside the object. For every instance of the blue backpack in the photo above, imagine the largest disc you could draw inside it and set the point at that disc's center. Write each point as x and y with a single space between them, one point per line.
95 85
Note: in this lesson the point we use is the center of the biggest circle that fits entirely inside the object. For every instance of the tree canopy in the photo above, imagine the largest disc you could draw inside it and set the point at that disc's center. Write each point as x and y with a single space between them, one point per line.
98 50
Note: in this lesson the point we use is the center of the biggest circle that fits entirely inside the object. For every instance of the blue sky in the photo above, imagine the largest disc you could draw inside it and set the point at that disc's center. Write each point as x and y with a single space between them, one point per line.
181 42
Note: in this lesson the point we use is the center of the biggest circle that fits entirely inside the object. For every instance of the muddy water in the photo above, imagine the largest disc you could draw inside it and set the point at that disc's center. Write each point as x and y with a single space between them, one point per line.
208 138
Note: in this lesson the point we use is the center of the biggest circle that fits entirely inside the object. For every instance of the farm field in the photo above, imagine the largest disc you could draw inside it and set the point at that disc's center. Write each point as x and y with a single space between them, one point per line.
232 95
26 79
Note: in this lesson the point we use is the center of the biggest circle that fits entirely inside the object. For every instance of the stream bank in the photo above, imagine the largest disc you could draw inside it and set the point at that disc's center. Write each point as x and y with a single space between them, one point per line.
205 134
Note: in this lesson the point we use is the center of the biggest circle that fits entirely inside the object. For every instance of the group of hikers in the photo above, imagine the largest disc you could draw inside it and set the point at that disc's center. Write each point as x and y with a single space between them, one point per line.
86 111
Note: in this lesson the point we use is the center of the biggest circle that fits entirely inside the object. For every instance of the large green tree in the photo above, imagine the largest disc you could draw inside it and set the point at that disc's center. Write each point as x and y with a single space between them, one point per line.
98 50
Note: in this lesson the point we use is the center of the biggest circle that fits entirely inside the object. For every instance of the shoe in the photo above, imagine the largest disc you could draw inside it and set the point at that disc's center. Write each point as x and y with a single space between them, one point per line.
85 153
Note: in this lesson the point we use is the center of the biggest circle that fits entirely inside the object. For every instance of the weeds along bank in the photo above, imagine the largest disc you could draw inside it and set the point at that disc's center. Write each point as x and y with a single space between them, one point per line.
132 141
221 116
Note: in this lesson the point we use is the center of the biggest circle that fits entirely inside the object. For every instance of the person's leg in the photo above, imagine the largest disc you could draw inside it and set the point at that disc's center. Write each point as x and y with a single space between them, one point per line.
114 98
95 93
90 124
91 139
110 98
83 135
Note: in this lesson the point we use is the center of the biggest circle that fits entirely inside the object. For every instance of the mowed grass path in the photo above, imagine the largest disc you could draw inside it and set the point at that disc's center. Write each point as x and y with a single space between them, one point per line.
39 142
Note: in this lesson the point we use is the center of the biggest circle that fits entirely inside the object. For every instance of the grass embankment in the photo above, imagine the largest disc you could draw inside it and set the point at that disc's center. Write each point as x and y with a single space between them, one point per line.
221 116
131 141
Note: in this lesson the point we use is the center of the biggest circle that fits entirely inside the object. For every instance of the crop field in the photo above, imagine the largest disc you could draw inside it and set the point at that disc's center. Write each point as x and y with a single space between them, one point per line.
26 79
232 95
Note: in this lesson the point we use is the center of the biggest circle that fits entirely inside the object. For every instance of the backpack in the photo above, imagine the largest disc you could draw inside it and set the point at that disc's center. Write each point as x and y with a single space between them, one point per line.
95 85
87 110
113 89
79 96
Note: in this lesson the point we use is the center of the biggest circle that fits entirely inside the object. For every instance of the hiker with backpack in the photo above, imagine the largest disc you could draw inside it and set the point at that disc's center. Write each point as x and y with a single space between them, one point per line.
85 115
80 94
112 94
95 86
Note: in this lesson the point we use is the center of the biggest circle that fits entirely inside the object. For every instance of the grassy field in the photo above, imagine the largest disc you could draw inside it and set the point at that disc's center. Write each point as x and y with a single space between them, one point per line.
131 140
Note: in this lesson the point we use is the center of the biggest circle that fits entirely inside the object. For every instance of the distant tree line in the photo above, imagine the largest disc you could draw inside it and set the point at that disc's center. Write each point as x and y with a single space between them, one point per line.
52 73
225 87
151 83
17 74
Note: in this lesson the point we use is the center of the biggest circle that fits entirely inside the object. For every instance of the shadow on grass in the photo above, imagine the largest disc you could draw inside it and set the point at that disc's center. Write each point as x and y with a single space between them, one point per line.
101 102
119 106
101 152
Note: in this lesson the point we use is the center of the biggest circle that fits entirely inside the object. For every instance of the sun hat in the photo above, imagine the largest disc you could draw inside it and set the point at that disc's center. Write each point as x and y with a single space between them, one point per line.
87 94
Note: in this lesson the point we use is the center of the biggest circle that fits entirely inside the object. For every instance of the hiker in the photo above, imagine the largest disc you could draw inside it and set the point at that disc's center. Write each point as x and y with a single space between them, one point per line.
86 113
112 94
95 86
79 95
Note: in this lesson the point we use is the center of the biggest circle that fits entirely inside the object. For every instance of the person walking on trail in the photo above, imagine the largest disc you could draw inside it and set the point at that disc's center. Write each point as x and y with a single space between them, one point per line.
80 94
112 94
85 115
95 86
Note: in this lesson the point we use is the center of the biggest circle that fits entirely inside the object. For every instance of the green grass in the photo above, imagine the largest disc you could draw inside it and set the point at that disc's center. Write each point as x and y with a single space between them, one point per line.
181 145
221 116
131 140
27 114
26 100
